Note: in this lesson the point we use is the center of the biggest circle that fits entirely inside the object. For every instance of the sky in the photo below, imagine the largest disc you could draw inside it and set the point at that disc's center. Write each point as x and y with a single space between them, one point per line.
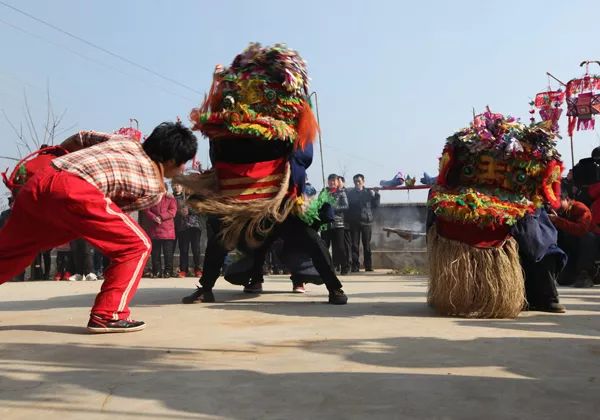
393 78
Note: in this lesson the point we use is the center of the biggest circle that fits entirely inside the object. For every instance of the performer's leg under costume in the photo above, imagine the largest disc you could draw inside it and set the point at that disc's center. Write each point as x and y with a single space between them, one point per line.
540 281
55 207
214 255
308 239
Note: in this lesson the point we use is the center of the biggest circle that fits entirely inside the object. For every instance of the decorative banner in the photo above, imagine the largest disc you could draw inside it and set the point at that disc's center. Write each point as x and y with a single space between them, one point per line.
583 102
549 98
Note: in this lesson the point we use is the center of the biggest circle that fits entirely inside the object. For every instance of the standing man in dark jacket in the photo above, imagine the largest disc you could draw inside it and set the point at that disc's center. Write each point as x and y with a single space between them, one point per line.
361 203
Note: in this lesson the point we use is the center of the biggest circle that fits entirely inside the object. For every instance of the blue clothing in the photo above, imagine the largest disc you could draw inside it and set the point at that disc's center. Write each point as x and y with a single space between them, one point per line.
537 237
300 160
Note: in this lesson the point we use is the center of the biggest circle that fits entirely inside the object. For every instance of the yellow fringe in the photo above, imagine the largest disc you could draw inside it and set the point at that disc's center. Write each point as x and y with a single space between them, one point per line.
472 282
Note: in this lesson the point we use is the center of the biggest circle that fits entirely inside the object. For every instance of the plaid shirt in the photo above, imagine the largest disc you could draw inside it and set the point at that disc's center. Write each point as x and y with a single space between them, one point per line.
120 169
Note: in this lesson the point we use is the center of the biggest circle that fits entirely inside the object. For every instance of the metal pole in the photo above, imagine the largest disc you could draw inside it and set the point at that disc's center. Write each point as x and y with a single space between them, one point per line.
559 81
572 154
320 140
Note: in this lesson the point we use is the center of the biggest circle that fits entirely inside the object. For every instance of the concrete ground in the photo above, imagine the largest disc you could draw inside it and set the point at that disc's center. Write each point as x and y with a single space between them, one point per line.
286 356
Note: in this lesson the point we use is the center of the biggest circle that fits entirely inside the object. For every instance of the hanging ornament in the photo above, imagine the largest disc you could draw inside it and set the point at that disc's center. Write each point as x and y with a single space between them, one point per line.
133 133
583 101
549 105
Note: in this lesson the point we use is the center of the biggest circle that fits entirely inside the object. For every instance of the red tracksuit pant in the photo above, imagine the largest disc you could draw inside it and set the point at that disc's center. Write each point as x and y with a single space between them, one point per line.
55 207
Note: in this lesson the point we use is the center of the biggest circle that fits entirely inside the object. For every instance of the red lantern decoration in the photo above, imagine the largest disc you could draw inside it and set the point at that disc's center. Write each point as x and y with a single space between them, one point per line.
549 104
583 102
133 133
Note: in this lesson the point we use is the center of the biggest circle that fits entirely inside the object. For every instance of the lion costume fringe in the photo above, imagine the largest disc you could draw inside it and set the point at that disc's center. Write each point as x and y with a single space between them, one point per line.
474 282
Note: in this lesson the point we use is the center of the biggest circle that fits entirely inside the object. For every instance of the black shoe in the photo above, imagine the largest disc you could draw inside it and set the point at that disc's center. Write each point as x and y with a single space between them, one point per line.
99 325
556 308
253 288
369 269
200 295
355 270
337 297
583 280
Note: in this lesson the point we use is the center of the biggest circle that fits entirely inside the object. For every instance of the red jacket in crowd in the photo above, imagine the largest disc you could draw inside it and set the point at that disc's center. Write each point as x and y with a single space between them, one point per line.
576 220
160 218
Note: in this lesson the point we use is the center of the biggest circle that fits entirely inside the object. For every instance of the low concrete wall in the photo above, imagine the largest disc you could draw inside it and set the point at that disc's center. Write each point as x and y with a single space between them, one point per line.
391 251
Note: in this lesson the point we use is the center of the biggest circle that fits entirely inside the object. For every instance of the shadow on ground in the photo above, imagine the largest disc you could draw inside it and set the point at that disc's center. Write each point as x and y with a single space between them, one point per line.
179 379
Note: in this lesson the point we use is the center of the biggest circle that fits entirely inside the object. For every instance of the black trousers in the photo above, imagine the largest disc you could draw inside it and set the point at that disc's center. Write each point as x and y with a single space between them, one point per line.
189 238
348 245
166 248
81 257
582 252
63 262
215 253
303 235
361 233
540 280
273 261
101 262
335 238
37 271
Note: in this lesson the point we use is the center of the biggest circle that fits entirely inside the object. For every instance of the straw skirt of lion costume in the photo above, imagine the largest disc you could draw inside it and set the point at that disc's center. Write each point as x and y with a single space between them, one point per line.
474 282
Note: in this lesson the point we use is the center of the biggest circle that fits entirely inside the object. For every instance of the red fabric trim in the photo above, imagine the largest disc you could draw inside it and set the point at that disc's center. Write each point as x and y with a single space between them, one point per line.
472 234
250 174
255 170
252 185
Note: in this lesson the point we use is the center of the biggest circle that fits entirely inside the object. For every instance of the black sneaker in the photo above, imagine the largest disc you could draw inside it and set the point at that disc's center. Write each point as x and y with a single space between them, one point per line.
369 269
583 280
556 308
337 297
253 288
99 325
200 295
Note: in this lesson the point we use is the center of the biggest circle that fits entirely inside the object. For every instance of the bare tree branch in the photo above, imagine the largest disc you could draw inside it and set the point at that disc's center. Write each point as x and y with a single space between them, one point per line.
48 112
31 125
64 130
11 124
33 141
10 158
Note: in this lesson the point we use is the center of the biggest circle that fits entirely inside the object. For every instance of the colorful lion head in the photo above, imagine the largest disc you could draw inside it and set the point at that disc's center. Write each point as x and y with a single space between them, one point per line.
263 94
492 174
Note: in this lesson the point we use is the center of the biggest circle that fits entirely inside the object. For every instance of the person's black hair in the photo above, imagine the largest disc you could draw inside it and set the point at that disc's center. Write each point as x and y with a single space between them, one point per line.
342 179
596 153
332 176
171 141
361 176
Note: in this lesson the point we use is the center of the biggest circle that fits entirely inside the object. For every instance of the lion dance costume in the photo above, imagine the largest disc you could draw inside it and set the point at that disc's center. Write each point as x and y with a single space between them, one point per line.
258 119
261 127
492 175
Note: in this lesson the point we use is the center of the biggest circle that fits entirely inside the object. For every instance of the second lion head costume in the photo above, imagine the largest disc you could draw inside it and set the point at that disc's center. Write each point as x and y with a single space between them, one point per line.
493 174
